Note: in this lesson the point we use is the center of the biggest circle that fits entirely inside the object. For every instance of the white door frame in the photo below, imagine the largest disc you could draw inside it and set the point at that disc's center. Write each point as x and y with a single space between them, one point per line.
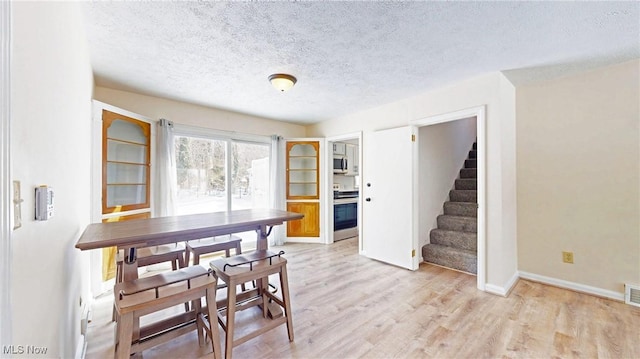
479 112
5 174
329 181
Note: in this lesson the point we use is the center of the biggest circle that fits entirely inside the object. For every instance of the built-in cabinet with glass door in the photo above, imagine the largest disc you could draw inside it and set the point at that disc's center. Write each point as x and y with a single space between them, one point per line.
125 163
126 177
303 187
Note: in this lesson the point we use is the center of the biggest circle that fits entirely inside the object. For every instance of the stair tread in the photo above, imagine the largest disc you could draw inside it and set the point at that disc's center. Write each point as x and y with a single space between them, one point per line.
457 223
454 249
468 173
470 184
467 209
451 257
457 216
453 231
453 238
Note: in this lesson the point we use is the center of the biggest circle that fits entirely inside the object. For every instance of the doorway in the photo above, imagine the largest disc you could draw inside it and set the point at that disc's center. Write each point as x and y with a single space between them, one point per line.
343 207
479 114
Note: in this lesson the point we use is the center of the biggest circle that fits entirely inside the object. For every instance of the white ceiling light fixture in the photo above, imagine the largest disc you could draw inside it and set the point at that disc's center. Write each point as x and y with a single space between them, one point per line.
282 82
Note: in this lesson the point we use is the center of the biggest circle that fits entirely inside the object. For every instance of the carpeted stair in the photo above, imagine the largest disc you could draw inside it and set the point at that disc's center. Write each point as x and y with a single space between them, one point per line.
454 242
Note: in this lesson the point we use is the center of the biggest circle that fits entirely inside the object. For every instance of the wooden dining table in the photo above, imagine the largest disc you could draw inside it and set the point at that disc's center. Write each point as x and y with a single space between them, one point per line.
139 233
134 234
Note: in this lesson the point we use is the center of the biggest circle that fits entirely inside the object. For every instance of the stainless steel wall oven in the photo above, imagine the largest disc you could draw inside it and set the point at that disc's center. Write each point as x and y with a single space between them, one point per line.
345 215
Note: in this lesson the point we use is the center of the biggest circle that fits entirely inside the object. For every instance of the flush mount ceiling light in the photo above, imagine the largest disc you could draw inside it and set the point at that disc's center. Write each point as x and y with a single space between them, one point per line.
282 82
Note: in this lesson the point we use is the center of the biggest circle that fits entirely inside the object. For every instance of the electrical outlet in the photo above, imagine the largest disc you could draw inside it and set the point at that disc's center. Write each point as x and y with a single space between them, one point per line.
567 257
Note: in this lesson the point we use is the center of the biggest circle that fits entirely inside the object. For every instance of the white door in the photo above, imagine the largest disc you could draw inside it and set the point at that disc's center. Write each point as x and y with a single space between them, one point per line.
389 208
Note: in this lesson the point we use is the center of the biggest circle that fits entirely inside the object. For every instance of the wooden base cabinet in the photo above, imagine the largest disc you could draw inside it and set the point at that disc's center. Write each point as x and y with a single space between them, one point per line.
303 187
309 226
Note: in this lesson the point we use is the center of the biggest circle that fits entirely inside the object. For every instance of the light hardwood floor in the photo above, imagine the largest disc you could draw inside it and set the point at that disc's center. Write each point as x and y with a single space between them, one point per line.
348 306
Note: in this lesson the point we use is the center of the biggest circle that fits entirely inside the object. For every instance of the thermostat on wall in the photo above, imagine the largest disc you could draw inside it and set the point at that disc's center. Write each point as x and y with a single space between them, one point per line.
44 203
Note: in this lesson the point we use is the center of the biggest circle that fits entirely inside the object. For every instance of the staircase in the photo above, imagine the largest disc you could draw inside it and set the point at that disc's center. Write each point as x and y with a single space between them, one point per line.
454 242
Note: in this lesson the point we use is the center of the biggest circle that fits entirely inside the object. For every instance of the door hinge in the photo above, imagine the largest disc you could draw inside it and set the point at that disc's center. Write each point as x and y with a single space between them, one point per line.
413 253
413 138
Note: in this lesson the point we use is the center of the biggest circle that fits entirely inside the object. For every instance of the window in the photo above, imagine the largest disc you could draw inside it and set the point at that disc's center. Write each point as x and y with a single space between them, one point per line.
201 175
249 175
221 174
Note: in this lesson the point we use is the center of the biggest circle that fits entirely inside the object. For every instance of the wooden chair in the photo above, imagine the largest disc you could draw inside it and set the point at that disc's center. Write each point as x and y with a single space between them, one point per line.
143 296
255 266
210 245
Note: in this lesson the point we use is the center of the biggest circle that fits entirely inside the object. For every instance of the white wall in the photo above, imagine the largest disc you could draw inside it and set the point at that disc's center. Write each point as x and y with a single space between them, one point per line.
497 93
195 115
5 180
51 94
578 151
442 150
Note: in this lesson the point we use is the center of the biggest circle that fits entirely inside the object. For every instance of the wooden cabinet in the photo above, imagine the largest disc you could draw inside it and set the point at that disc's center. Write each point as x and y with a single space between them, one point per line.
309 226
303 187
339 149
125 163
352 160
303 170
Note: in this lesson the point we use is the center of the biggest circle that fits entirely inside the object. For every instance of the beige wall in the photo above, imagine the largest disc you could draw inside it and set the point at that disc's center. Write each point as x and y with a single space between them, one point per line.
51 91
578 175
497 93
195 115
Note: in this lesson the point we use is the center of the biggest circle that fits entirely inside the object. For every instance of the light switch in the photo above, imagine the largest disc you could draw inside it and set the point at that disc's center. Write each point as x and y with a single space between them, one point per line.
17 204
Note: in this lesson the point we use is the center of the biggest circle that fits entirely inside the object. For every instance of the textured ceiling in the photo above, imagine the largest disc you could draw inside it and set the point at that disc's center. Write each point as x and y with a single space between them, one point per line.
347 56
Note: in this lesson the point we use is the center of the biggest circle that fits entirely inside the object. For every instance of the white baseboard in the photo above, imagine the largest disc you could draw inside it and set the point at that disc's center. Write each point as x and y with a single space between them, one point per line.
502 290
573 286
303 240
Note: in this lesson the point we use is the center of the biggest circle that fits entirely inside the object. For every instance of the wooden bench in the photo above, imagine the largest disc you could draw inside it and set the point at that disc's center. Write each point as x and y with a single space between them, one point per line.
255 266
211 245
146 256
143 296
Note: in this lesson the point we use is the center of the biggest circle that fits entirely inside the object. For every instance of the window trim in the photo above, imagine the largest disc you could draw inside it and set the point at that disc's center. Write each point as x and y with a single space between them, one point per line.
209 133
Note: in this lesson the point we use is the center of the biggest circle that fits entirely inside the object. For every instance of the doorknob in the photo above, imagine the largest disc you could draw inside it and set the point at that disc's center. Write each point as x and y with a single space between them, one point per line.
368 199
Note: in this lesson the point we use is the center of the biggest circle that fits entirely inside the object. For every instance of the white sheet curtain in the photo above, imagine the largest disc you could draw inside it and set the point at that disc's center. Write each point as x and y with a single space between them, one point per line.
276 182
166 170
166 184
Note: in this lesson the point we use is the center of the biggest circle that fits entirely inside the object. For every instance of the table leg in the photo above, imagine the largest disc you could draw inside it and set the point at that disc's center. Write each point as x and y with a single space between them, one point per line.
130 272
130 264
263 243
